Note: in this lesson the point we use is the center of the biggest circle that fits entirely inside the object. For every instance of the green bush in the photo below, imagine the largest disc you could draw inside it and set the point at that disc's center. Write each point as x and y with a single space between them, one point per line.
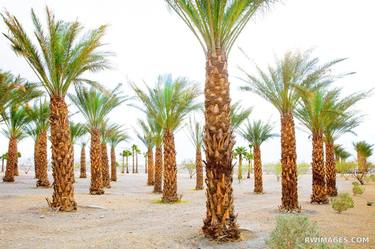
291 231
342 202
302 168
357 189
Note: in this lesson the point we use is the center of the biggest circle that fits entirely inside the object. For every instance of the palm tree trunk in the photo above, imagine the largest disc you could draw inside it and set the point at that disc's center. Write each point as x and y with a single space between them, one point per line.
62 163
199 167
220 221
319 185
133 166
239 167
83 162
96 187
331 169
36 158
249 170
158 169
170 170
42 161
11 160
361 162
127 165
258 174
105 166
2 164
150 166
16 170
123 165
136 162
113 164
146 164
289 199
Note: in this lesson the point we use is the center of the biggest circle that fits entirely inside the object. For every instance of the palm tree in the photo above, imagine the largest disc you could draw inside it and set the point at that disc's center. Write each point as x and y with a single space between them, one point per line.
137 152
256 133
168 104
95 107
195 130
59 59
147 140
38 114
240 153
344 123
157 139
316 111
364 150
116 135
279 85
125 154
238 114
104 154
134 148
216 25
340 153
82 173
77 130
249 157
15 121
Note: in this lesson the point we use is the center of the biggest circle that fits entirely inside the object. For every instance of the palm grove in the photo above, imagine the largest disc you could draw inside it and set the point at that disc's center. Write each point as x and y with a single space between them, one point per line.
298 85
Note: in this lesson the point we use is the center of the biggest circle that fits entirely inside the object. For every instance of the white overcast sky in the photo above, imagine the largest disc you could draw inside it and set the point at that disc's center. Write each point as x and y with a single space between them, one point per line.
148 40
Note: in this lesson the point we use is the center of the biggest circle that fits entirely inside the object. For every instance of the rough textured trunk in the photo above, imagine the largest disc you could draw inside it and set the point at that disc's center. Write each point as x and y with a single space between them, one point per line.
127 165
361 162
16 169
36 158
199 167
158 169
170 168
123 165
289 199
133 164
2 164
239 168
150 167
146 164
249 169
62 163
42 161
83 162
258 174
105 166
96 187
330 169
136 163
318 172
113 164
220 222
11 160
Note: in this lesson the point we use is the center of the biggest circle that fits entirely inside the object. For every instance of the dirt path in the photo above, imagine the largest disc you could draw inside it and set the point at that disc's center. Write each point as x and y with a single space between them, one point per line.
128 217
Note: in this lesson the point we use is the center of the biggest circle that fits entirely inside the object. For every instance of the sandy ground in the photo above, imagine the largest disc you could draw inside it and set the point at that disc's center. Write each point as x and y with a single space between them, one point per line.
127 216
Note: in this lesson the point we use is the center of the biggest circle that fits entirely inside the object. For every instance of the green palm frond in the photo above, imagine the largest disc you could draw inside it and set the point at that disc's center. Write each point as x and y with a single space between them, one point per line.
116 134
340 152
239 114
15 119
239 151
257 132
146 136
61 55
279 84
217 24
195 130
38 114
77 130
364 148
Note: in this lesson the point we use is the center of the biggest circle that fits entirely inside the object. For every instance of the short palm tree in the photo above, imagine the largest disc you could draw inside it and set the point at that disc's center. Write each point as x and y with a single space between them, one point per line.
256 133
147 139
59 59
249 156
125 154
15 119
157 131
240 153
38 115
82 173
169 103
364 150
134 148
279 85
340 153
216 25
116 135
195 130
95 107
77 131
104 136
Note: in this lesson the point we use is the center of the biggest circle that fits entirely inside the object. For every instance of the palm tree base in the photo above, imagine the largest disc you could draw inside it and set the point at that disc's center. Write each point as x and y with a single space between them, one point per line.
83 176
217 231
96 192
8 179
43 183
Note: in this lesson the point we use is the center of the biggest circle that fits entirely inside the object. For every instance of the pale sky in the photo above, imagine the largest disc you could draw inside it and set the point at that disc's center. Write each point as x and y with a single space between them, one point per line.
148 39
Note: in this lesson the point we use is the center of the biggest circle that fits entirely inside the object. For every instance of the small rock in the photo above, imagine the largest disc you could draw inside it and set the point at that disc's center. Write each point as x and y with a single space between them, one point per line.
42 216
101 216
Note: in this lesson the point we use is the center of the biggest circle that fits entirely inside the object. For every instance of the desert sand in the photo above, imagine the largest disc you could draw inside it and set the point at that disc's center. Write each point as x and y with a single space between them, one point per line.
129 216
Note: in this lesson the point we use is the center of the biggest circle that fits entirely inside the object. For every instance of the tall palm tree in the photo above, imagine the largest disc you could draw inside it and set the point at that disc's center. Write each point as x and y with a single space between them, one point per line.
148 141
39 114
116 135
240 153
134 148
95 107
238 114
195 130
344 123
279 85
169 103
256 133
316 112
364 150
125 154
216 25
15 121
59 59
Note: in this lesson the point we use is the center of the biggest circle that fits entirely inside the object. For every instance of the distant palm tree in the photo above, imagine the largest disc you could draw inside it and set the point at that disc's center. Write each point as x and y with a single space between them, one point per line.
82 173
38 115
77 130
157 139
95 107
340 153
216 25
104 136
134 148
195 130
279 85
125 154
239 114
364 150
116 135
148 141
240 153
256 133
249 157
59 60
169 103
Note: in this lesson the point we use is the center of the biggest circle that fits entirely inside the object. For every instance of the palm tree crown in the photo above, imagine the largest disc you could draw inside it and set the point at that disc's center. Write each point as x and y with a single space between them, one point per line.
364 148
15 120
239 114
116 135
77 130
195 130
257 132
